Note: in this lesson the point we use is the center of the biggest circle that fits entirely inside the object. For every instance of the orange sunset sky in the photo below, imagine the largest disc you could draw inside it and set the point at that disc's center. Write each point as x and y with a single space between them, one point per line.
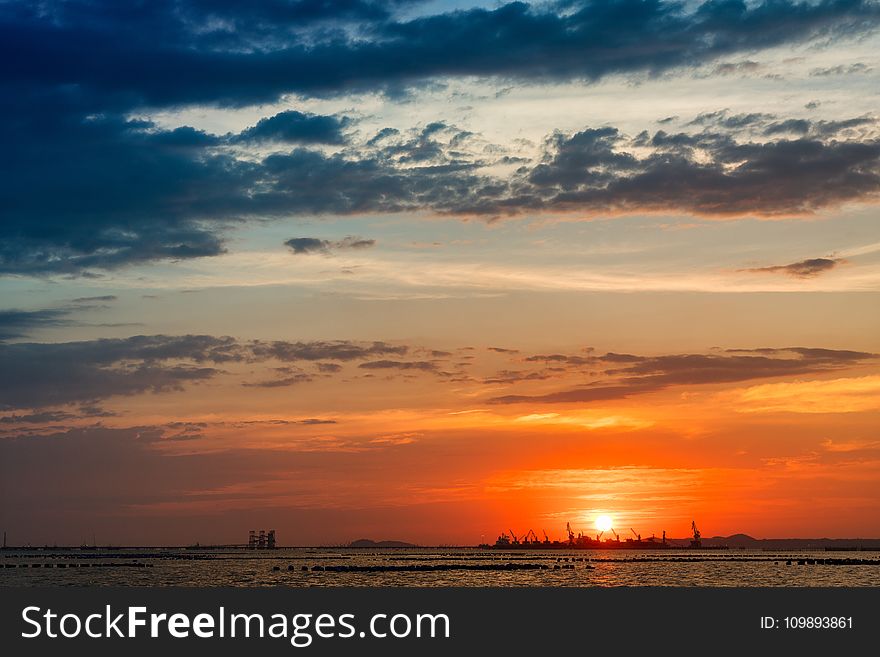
431 271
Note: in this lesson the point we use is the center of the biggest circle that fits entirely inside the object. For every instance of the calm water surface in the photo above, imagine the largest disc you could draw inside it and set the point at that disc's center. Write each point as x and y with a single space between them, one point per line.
176 567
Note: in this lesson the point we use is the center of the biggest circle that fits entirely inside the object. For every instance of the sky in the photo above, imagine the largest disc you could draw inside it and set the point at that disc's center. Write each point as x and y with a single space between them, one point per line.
430 271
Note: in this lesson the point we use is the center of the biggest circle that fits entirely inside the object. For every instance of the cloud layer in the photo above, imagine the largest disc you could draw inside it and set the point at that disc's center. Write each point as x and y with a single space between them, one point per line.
640 375
89 184
43 375
108 192
172 53
37 375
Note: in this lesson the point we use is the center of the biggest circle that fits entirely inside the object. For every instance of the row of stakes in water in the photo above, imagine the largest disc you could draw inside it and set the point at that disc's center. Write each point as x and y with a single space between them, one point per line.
430 568
532 566
79 565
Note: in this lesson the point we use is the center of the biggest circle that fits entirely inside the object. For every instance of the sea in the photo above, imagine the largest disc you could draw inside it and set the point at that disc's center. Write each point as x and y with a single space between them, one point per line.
435 567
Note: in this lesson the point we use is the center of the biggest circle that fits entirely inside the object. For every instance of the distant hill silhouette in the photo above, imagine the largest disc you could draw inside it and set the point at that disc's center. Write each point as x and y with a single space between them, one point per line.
367 543
744 541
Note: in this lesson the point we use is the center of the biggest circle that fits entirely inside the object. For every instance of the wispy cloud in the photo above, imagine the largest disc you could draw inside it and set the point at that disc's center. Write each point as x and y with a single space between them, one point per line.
809 268
632 375
306 245
841 395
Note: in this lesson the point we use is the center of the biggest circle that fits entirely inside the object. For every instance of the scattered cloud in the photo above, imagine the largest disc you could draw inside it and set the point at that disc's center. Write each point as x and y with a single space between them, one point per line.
106 298
339 350
841 69
744 67
562 359
130 196
307 245
506 377
18 323
809 268
294 127
422 365
289 378
40 417
38 375
90 183
642 375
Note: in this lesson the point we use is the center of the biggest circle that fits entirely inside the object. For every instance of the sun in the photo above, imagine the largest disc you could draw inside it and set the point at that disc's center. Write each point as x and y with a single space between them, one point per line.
604 523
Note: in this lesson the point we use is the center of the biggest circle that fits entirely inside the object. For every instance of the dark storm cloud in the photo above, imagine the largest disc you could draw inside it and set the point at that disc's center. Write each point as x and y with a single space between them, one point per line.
35 375
306 245
590 172
82 192
809 268
296 127
650 374
173 53
18 323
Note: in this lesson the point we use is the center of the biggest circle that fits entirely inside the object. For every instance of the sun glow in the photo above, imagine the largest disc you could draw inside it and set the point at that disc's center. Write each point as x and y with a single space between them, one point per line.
604 523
